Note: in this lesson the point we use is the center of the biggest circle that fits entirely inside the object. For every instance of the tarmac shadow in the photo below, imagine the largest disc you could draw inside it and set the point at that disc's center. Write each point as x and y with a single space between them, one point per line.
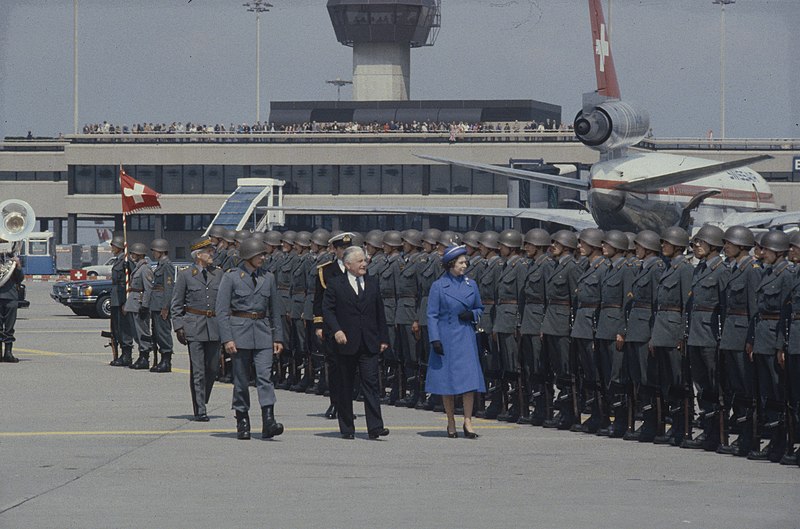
433 433
332 435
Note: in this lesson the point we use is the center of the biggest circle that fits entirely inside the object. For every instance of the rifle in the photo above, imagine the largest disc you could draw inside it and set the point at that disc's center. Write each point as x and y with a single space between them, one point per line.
789 410
521 393
112 343
153 340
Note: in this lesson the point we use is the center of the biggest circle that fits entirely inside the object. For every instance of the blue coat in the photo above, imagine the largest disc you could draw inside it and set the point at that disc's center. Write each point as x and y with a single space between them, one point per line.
458 370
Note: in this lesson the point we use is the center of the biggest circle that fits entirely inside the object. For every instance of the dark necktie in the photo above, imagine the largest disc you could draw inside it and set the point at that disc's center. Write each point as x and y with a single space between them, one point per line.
253 276
360 286
205 275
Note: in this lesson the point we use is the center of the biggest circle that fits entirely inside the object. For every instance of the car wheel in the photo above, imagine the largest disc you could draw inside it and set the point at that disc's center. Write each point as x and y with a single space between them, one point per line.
103 307
92 274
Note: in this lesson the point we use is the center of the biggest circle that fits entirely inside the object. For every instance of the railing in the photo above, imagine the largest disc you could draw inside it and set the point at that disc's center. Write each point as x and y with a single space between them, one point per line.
738 144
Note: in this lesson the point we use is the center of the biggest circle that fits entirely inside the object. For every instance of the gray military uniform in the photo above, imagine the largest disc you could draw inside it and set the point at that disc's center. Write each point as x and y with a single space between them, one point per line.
139 299
587 300
248 312
507 316
640 311
534 361
161 298
487 287
122 325
196 293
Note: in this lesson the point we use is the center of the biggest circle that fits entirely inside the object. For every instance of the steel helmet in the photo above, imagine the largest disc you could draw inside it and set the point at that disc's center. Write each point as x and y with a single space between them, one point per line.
775 240
375 238
566 238
676 236
710 234
230 235
471 238
303 239
159 245
250 248
273 238
510 238
216 231
412 237
288 236
591 236
392 238
740 236
537 237
631 237
118 241
616 239
138 248
242 235
358 239
795 240
649 240
320 237
448 238
489 239
260 235
431 236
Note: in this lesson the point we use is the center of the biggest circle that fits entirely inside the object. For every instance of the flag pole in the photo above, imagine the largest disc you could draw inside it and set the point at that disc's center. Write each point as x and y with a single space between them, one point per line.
124 232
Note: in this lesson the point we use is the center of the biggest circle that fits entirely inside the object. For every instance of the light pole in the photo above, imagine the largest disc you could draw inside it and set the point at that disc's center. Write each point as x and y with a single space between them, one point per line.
339 83
75 66
258 7
722 4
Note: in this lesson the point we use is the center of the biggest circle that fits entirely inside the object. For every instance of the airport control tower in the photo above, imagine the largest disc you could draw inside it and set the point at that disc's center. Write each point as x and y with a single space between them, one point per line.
382 33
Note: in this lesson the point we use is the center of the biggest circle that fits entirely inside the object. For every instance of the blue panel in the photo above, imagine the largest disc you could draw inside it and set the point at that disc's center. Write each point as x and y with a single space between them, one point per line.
237 206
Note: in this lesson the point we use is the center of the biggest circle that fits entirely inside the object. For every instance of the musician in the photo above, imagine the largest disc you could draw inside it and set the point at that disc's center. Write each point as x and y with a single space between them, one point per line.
9 299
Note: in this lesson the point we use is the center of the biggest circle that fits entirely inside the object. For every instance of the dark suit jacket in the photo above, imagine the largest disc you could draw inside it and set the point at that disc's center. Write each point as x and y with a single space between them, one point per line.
362 320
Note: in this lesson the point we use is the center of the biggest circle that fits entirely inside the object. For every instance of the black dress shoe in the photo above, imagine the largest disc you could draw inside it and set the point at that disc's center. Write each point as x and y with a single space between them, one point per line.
348 436
330 413
468 434
201 418
378 432
693 444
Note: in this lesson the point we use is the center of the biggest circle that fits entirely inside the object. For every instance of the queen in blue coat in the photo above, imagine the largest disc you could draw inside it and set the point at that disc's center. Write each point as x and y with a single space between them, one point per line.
454 304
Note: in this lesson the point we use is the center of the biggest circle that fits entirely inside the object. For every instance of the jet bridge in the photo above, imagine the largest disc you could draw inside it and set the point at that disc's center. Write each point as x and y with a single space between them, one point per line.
252 197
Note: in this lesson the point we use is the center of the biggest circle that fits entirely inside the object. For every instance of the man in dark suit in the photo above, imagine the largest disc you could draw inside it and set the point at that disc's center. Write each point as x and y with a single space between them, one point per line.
353 313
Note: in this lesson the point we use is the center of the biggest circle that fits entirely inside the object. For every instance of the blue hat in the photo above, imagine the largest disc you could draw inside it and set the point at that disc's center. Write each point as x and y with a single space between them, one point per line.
452 252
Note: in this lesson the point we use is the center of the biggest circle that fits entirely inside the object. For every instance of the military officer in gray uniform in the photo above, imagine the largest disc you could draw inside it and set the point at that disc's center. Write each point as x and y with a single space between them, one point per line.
587 309
160 301
392 244
407 289
766 343
642 374
249 318
487 339
507 321
740 307
122 326
668 331
193 318
560 288
614 288
297 291
430 268
534 360
138 304
706 304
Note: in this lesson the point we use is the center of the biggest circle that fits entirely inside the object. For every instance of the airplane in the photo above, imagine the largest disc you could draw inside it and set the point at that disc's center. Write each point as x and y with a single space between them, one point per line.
630 190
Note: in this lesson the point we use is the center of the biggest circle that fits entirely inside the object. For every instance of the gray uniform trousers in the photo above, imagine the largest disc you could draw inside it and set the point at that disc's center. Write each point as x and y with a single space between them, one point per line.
137 305
162 332
203 366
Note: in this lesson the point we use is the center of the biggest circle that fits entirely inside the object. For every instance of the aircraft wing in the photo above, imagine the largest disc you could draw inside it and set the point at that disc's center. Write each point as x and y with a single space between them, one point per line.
654 183
532 176
570 217
762 219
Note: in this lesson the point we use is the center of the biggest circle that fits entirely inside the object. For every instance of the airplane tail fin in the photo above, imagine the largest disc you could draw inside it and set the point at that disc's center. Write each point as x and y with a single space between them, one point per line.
607 84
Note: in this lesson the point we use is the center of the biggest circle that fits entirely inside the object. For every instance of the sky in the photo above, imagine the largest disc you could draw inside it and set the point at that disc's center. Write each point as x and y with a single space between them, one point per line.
171 60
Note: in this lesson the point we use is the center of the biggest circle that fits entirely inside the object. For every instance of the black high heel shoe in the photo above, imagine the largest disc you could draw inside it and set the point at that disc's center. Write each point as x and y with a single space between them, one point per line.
468 434
452 435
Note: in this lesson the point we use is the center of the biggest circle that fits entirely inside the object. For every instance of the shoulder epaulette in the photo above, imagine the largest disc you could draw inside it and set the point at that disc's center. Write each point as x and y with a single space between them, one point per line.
321 275
194 271
323 265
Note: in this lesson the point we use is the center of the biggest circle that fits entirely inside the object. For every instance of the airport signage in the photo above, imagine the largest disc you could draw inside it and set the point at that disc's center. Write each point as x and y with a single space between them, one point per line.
796 169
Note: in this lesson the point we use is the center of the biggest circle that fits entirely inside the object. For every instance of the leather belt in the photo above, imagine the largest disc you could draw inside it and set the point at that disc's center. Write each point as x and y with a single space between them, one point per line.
406 297
770 316
642 305
704 308
249 315
535 301
559 302
588 305
610 306
507 302
796 316
736 313
206 313
669 308
158 289
283 288
487 302
298 291
139 290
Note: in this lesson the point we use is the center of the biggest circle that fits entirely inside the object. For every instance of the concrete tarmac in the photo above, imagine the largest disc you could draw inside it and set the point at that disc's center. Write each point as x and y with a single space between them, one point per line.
85 445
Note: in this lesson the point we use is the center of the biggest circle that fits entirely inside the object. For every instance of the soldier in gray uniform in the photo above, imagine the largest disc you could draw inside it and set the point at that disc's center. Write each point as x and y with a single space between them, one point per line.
392 244
249 317
430 268
667 335
217 236
193 302
298 290
407 289
791 360
766 343
317 255
160 301
737 370
507 321
283 277
614 288
560 289
586 311
122 326
487 339
642 371
706 304
229 259
470 241
534 360
138 302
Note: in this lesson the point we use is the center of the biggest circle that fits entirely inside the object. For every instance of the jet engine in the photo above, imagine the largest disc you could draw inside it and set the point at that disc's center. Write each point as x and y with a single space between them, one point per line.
611 125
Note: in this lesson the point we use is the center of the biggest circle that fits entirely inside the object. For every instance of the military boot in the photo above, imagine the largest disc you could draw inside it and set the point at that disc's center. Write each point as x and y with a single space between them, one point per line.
7 356
143 362
242 425
165 365
270 428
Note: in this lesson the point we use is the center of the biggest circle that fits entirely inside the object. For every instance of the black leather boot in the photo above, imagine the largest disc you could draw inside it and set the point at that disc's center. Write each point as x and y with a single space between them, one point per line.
270 428
165 365
242 425
7 356
143 362
330 413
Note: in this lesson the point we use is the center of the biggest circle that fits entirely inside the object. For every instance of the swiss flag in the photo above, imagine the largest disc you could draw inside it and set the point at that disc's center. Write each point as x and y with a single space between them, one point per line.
77 275
136 195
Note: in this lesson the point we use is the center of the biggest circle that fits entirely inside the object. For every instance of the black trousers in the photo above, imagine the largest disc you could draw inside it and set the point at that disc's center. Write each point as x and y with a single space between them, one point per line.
366 363
8 319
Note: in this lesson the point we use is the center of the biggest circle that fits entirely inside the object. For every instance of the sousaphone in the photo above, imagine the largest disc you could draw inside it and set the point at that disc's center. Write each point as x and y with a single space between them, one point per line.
16 223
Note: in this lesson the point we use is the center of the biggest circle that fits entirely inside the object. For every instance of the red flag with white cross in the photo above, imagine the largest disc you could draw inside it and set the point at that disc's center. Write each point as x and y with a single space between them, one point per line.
136 195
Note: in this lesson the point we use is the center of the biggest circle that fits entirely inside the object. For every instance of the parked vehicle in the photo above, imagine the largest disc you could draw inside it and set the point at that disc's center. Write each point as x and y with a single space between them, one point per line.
85 298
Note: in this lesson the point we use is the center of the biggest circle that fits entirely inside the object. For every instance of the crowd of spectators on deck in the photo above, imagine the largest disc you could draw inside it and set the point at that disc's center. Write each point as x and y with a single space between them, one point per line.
178 127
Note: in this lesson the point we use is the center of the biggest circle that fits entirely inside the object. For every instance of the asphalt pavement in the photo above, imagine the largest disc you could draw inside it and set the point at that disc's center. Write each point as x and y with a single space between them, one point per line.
86 445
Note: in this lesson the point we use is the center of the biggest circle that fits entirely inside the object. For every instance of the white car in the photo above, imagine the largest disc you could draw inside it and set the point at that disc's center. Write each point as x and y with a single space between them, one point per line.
99 270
